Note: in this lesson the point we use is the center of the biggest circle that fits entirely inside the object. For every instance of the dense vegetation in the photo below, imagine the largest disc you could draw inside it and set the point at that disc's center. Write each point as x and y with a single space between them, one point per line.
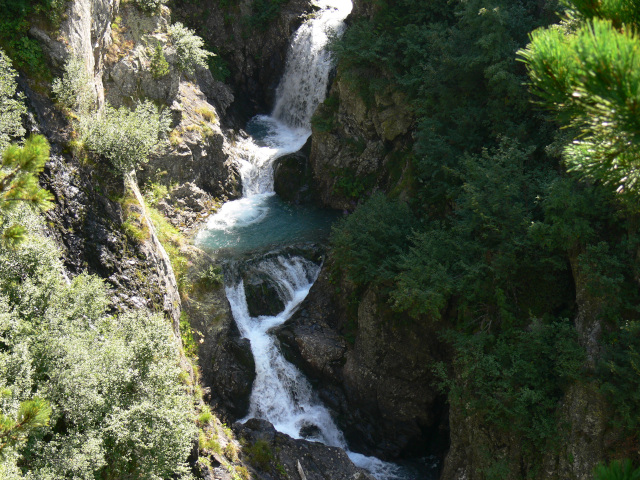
84 393
497 237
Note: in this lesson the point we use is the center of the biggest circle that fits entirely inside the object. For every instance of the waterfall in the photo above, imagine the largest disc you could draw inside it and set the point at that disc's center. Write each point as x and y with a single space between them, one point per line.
304 83
281 394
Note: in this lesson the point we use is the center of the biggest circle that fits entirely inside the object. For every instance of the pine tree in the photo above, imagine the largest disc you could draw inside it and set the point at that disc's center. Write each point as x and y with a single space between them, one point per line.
19 181
31 414
587 70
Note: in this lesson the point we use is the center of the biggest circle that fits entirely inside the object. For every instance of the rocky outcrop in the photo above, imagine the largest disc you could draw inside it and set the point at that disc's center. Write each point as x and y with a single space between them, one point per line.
380 383
292 177
85 32
276 455
359 146
196 150
252 38
225 359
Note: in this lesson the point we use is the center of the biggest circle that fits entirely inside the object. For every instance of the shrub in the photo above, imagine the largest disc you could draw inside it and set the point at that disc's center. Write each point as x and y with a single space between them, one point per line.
124 137
150 6
11 104
159 64
617 470
366 244
189 48
74 90
118 408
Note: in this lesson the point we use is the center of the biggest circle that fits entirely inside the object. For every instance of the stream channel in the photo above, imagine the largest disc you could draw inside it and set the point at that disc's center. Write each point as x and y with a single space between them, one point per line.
260 226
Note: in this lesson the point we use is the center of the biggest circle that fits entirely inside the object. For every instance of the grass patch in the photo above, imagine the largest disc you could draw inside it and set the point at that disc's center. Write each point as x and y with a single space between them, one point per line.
207 113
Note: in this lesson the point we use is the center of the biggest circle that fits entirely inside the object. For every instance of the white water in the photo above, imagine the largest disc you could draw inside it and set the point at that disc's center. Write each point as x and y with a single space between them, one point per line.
281 394
302 88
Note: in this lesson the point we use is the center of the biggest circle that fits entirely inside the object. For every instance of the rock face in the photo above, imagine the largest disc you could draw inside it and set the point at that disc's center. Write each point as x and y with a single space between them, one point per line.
196 150
225 359
277 455
357 147
292 177
380 384
252 38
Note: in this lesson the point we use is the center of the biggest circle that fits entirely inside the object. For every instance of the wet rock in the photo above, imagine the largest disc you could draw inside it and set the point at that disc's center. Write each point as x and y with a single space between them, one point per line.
262 295
281 455
380 382
254 53
293 177
226 361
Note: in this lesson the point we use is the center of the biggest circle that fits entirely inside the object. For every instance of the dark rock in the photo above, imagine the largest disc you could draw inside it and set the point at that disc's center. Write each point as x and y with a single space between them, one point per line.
255 54
226 361
286 456
381 385
262 295
293 177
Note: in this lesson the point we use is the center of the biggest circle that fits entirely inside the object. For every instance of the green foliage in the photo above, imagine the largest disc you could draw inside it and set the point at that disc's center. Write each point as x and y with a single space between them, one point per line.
367 243
189 48
74 90
150 6
118 407
18 17
11 104
19 182
620 371
617 470
31 415
514 380
263 12
211 277
159 65
259 454
124 137
587 73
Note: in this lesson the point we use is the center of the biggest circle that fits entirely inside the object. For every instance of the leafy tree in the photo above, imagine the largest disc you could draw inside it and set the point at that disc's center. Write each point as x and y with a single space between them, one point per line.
11 104
587 71
118 406
189 48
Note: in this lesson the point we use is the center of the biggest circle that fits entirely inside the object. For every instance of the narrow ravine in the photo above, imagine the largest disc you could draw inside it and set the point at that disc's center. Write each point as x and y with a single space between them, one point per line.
260 222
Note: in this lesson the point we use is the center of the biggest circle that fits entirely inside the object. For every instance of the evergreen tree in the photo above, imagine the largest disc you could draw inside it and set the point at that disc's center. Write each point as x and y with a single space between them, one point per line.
587 70
19 181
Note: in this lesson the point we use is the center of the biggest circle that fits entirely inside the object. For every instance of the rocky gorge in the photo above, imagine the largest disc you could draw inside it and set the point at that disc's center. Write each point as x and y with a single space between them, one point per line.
388 380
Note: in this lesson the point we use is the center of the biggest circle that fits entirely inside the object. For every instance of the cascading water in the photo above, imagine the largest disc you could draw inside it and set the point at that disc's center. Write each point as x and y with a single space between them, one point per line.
281 394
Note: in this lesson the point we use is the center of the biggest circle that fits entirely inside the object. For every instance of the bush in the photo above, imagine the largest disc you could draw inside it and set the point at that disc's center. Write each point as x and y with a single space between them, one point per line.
617 470
150 6
189 48
366 244
11 104
118 407
74 90
124 137
159 64
514 380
